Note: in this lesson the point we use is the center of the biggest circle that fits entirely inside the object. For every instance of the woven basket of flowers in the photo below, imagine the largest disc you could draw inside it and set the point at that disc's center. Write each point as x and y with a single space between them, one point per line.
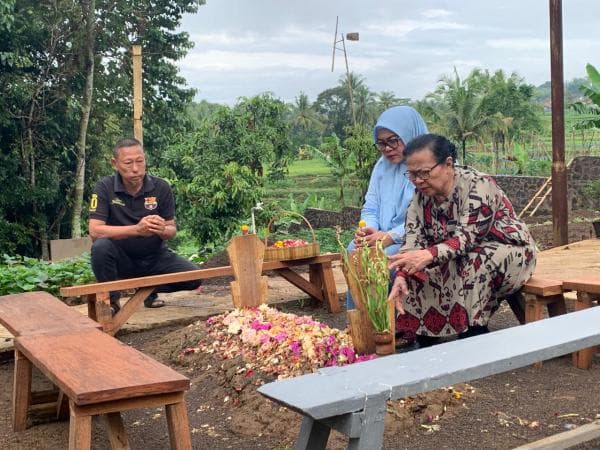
290 248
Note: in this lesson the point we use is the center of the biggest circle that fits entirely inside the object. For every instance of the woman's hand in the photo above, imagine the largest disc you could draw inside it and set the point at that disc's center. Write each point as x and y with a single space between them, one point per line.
410 262
398 293
369 236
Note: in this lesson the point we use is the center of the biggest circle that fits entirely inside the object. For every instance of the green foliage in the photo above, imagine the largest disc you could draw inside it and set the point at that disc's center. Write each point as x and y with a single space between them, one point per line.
339 159
42 78
211 204
364 155
311 201
23 274
589 113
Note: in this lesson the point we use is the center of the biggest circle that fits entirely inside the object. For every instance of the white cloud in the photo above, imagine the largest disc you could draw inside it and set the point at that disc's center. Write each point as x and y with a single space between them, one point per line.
242 61
402 28
518 44
436 13
243 48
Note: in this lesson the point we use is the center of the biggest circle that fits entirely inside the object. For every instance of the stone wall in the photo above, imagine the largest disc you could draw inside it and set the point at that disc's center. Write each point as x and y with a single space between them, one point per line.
520 190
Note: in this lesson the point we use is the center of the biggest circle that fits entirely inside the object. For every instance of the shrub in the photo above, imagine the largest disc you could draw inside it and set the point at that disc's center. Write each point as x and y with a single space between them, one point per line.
23 274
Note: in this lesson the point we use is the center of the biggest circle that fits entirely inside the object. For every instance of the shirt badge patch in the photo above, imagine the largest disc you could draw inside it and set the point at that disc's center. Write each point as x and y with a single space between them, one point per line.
94 203
150 203
117 201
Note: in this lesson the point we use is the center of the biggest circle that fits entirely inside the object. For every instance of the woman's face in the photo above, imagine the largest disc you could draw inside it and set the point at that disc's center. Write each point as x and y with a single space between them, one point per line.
390 145
430 177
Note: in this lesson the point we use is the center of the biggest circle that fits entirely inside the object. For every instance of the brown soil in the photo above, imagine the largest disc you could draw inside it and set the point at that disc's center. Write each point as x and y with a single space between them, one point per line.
225 411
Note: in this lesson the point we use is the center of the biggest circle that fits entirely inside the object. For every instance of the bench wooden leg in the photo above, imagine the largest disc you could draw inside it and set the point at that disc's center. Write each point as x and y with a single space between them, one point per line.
116 431
21 391
179 428
103 311
80 429
313 435
556 305
91 306
62 406
533 312
324 273
583 358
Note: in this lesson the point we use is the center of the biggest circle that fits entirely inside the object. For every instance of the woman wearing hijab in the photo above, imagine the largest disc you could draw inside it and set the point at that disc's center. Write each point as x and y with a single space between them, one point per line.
389 192
465 247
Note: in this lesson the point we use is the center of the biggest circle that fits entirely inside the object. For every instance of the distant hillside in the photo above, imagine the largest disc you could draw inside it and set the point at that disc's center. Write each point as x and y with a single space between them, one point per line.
572 91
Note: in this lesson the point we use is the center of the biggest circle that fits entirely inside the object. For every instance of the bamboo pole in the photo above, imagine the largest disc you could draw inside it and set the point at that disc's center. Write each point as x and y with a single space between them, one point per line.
138 131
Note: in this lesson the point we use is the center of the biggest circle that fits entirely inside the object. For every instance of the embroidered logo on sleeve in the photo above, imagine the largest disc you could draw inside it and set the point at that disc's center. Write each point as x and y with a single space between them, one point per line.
117 201
150 203
94 203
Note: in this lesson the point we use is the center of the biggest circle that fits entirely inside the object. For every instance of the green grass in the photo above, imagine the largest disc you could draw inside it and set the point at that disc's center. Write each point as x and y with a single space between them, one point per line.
309 167
311 176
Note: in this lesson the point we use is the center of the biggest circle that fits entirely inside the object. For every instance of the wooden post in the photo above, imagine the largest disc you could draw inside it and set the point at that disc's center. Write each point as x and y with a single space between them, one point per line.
138 131
246 254
560 213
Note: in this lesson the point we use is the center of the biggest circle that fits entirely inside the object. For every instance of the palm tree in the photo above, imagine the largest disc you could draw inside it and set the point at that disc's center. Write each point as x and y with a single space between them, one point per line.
364 104
463 114
387 99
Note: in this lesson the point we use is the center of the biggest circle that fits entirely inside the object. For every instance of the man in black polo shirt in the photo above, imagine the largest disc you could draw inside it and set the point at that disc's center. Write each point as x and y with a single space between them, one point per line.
132 214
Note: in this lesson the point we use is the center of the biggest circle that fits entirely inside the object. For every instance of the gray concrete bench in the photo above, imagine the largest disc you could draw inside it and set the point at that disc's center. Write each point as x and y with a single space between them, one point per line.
352 399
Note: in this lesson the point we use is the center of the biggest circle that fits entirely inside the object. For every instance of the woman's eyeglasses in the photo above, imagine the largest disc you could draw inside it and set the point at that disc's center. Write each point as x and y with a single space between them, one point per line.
392 143
422 174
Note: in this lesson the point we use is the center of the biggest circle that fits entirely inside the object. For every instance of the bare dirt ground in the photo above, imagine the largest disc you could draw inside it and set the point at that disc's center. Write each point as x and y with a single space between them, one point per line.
225 411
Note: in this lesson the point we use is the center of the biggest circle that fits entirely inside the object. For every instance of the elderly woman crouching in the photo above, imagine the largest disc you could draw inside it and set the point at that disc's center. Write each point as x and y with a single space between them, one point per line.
465 248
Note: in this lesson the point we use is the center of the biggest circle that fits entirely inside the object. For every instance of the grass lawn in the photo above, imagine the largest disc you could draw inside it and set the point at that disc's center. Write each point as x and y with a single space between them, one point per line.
311 184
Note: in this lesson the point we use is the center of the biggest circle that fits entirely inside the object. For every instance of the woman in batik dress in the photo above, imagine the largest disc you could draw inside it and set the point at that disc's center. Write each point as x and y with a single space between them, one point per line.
465 249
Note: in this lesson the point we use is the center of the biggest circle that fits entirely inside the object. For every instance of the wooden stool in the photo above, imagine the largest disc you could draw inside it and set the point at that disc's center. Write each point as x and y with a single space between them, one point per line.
99 375
588 289
535 295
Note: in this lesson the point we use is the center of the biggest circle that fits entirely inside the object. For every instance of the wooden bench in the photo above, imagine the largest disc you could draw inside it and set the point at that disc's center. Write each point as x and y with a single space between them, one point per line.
588 292
100 376
34 313
320 286
538 293
40 313
352 399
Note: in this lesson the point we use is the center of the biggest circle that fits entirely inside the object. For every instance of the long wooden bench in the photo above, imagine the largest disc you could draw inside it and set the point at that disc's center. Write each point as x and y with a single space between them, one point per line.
35 313
352 399
320 286
100 376
40 313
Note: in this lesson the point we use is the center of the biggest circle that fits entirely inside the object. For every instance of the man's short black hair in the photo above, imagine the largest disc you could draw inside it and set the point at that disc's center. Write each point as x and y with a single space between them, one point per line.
126 142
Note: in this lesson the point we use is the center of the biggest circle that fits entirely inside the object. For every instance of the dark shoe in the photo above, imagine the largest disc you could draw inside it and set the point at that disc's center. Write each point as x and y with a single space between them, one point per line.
115 307
427 341
153 302
474 330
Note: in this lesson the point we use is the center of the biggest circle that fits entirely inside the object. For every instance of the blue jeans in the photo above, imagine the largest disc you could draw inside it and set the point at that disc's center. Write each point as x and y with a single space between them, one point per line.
391 250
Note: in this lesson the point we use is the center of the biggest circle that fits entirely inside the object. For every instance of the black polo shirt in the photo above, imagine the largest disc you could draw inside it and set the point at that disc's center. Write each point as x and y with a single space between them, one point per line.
112 204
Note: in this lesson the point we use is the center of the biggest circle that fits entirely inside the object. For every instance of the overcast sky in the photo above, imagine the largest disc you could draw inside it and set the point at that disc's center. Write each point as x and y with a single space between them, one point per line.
245 47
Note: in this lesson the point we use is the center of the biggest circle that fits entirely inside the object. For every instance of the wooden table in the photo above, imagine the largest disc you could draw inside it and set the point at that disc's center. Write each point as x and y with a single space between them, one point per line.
320 286
575 260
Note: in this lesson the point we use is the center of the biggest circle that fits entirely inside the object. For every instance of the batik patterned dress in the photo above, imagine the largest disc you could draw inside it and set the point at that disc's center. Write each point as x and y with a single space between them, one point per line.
481 253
